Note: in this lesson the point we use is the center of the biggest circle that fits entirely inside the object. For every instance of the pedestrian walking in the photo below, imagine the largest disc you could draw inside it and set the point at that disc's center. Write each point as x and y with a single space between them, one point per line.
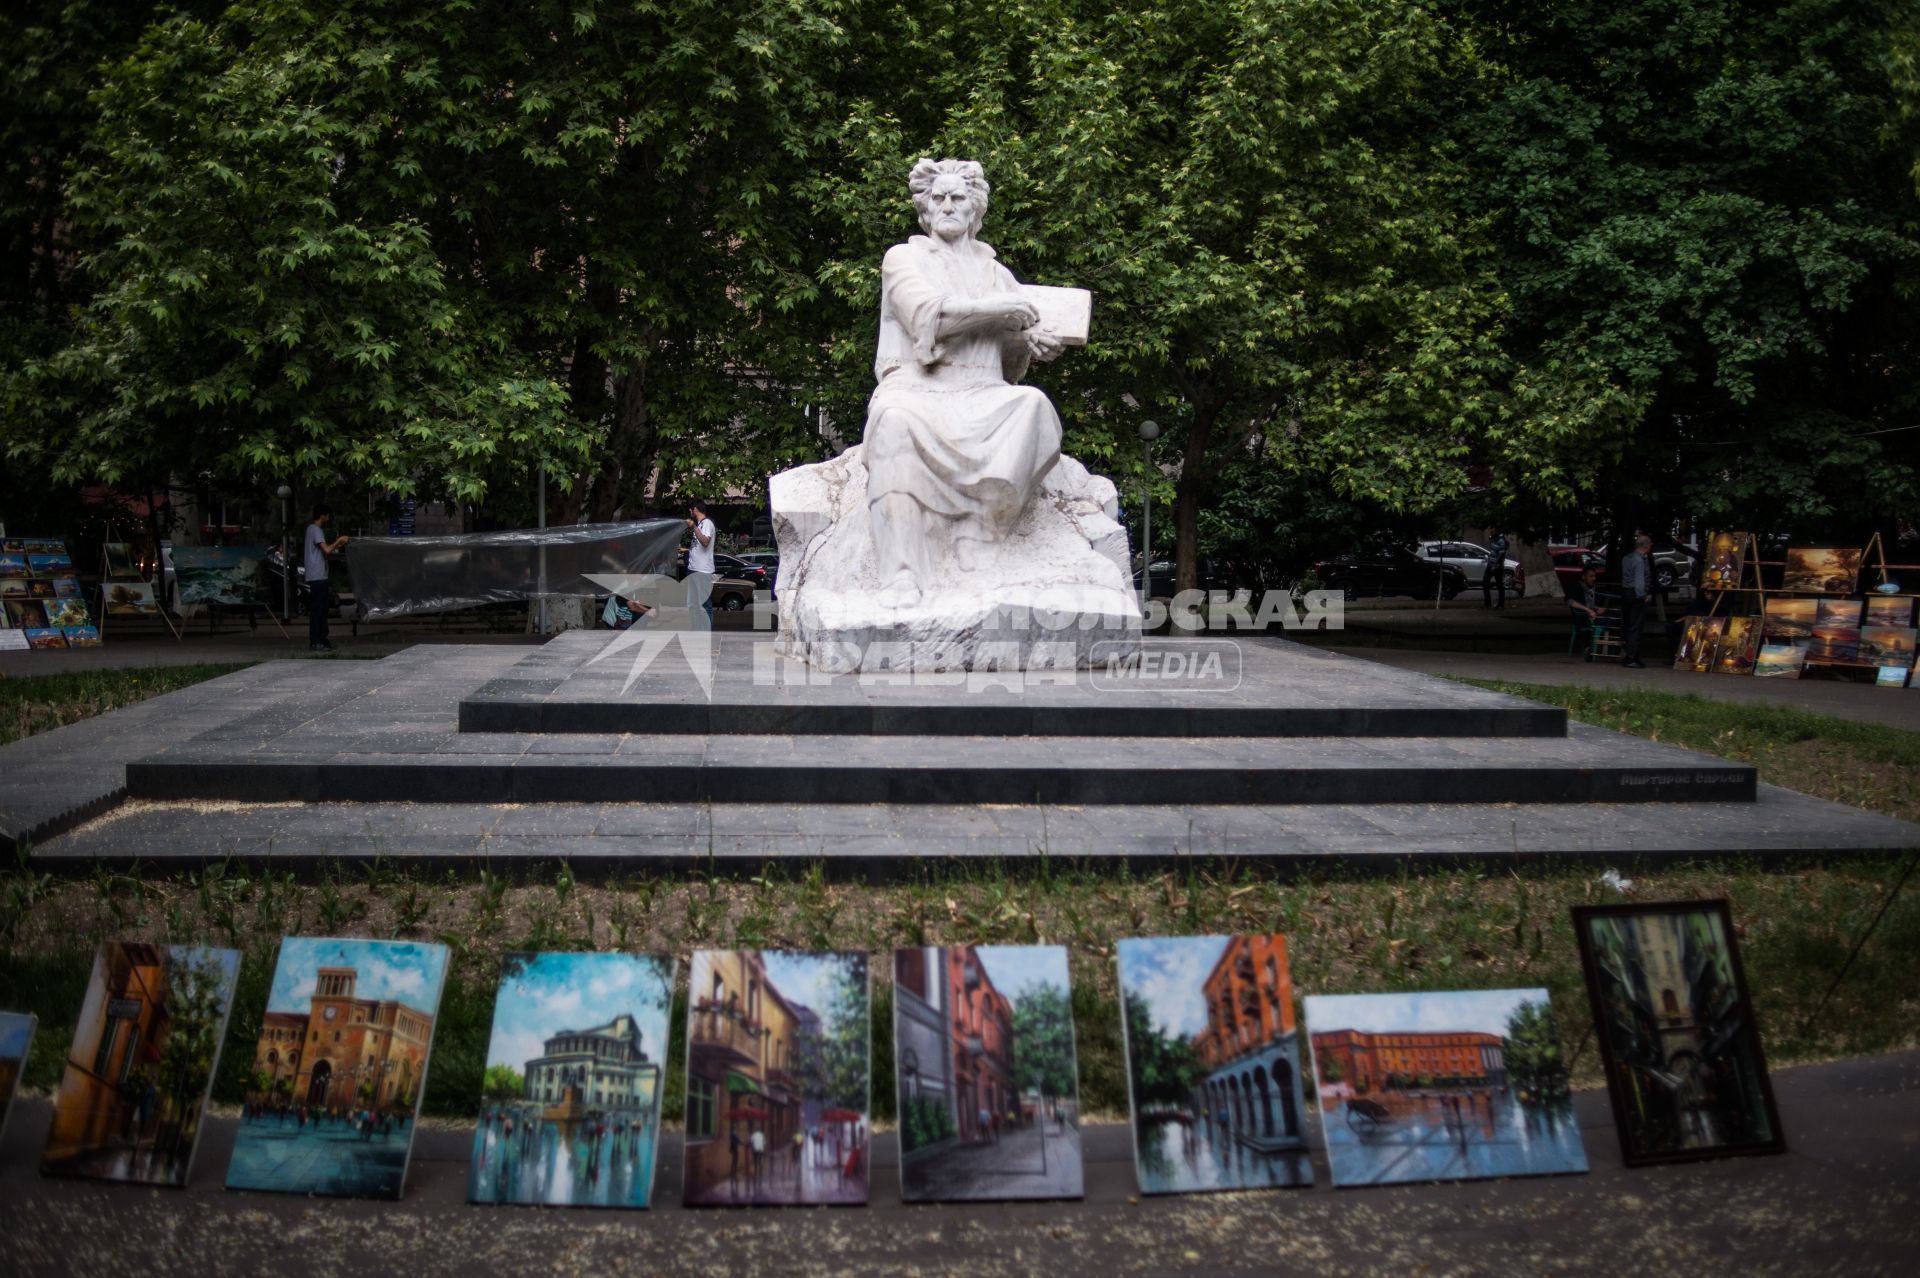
700 560
1636 591
1494 576
316 548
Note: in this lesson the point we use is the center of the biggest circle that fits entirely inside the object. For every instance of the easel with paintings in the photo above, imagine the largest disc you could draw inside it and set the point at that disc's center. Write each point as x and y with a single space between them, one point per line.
1877 546
123 587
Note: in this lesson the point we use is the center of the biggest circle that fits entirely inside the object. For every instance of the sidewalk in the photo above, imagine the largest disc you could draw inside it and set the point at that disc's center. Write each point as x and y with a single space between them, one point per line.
1859 702
1843 1200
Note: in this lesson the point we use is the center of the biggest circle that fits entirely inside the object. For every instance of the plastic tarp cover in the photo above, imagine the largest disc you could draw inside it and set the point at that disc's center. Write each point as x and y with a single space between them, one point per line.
401 576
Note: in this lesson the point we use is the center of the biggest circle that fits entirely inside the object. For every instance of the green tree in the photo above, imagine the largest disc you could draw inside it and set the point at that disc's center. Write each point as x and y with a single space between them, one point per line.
1164 1067
503 1083
1532 1049
1713 202
1043 1040
199 987
834 1066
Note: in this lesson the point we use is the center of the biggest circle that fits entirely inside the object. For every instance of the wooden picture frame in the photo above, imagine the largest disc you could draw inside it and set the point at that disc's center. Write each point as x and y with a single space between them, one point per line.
1634 1027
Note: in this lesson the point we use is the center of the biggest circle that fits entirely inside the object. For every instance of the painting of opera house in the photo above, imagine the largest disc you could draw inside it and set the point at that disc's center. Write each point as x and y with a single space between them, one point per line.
778 1078
570 1112
1213 1063
137 1075
339 1068
988 1085
1454 1085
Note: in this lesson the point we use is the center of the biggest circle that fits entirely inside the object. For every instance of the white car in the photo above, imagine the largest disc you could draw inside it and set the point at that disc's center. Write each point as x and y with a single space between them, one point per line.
1471 560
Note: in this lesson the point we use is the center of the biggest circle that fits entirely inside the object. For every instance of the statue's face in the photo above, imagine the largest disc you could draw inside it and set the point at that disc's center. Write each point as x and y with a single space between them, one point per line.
951 211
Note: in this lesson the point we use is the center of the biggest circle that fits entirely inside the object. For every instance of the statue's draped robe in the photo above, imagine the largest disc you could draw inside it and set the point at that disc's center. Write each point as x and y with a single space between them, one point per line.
946 424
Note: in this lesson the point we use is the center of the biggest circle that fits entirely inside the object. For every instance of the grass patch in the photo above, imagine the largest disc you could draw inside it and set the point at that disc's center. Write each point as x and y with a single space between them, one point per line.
1468 928
1867 765
40 703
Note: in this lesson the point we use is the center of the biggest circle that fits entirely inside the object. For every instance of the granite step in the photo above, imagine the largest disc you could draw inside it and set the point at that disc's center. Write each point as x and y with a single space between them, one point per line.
1587 766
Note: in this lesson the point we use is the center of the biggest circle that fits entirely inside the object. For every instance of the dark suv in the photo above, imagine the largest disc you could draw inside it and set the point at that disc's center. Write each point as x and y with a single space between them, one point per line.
1389 570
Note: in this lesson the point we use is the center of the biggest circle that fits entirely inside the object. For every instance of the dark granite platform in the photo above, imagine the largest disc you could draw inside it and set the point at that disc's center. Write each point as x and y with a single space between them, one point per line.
1211 687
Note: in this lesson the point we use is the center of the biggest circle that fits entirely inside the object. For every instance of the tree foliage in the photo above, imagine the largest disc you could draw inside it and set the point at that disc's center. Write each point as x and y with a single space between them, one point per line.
1043 1040
1164 1068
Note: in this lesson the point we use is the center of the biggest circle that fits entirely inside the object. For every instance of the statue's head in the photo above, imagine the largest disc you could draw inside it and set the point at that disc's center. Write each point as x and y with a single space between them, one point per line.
947 192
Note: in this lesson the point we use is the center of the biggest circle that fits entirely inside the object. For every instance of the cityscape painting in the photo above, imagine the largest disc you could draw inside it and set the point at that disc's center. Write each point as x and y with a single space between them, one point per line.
16 1036
339 1068
570 1106
1676 1031
988 1087
1453 1085
137 1075
778 1078
1213 1063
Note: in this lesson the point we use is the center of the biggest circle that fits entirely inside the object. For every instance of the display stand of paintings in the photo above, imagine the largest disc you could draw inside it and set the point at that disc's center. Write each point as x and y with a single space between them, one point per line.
125 594
988 1084
40 596
220 577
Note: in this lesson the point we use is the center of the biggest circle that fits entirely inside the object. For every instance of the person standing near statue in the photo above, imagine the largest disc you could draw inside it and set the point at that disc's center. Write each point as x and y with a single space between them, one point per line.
1636 593
954 448
315 549
700 559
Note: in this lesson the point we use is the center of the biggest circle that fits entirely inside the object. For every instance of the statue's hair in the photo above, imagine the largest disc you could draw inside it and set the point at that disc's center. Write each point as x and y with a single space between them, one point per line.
920 182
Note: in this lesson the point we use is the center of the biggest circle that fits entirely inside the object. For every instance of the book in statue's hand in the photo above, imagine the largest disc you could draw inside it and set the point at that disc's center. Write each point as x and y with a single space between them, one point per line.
1067 313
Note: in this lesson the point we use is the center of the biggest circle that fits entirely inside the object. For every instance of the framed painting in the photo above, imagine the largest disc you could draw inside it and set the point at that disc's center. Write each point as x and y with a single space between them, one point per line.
778 1078
1734 654
141 1065
1721 564
1780 660
1825 571
1448 1085
45 637
1676 1031
570 1102
1888 645
128 599
1213 1063
339 1068
217 574
988 1083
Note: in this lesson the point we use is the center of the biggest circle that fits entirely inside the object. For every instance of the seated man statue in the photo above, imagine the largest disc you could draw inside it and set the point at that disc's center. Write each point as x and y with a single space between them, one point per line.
954 446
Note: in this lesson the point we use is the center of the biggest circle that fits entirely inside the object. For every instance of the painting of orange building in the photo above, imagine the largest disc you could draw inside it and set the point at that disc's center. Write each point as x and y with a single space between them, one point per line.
1249 1048
345 1051
982 1031
1374 1061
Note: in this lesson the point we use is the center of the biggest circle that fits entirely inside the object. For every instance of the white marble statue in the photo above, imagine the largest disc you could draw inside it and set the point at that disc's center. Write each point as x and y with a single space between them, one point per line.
954 445
955 527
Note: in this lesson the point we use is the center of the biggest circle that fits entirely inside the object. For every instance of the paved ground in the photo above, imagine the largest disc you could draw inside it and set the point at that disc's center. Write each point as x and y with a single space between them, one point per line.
1041 1161
1845 1200
1862 702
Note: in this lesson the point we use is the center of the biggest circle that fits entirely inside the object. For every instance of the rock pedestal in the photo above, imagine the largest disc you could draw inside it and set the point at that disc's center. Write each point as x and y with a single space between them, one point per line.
1055 593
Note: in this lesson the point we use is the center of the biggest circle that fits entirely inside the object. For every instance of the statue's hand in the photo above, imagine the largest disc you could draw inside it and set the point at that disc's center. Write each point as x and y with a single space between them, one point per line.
1042 343
1017 313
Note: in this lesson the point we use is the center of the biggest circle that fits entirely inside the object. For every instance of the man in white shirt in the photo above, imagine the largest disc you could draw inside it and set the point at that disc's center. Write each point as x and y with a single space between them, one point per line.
700 559
315 549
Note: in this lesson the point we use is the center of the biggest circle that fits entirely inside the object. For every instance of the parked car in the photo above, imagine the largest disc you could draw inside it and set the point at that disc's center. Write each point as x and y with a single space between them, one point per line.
1471 560
1209 574
1569 562
732 594
1389 570
1672 562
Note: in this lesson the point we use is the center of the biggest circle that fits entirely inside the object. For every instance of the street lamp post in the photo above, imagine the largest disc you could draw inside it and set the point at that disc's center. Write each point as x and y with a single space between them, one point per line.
1149 431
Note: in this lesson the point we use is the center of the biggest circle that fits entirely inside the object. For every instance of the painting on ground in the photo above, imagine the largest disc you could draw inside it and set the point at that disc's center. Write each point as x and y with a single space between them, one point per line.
570 1105
339 1068
1822 571
1887 645
1780 660
137 1076
65 612
778 1078
1721 564
16 1036
984 1057
1676 1031
216 574
1213 1063
1735 652
1455 1085
45 637
1699 642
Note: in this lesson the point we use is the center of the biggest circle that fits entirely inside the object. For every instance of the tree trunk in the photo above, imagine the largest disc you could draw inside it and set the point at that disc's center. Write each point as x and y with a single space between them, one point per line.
1188 492
630 445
